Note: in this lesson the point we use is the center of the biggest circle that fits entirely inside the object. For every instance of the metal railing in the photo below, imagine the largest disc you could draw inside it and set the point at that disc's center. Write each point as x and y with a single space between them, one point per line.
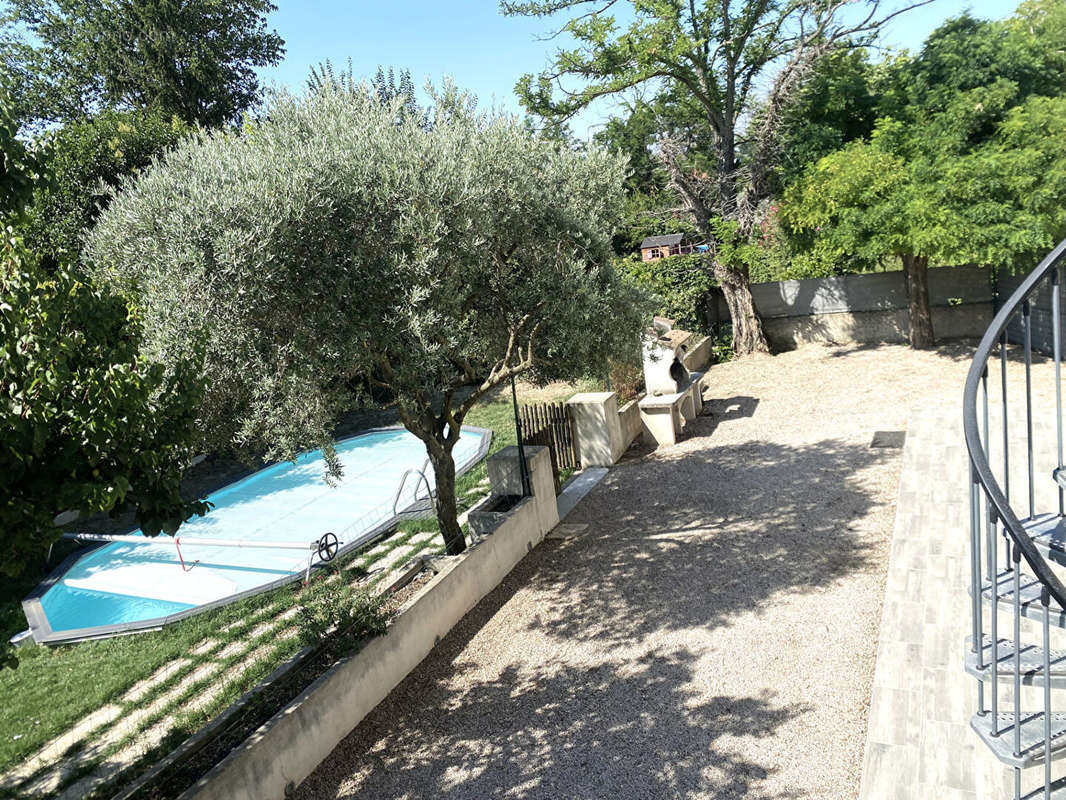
1021 738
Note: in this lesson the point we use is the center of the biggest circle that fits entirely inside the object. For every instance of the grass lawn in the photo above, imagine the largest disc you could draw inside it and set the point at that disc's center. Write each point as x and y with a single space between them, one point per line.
53 688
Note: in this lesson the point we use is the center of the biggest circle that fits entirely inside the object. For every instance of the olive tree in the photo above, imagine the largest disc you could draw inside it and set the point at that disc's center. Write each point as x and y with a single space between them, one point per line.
339 241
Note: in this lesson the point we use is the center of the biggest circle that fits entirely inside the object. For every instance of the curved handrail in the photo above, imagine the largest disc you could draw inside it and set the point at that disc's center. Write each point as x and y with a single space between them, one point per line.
981 470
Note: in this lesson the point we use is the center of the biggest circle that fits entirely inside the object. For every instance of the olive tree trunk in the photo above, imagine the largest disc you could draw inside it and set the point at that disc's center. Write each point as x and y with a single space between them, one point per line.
916 276
748 334
440 456
439 440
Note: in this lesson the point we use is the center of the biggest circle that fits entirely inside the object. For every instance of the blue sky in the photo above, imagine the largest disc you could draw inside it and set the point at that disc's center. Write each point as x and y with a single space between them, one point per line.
482 50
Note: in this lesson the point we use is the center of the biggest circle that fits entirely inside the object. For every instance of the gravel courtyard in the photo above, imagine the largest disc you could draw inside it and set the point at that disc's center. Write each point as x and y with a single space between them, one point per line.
710 634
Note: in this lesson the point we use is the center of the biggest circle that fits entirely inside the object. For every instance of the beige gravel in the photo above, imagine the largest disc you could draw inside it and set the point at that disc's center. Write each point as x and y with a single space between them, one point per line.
710 634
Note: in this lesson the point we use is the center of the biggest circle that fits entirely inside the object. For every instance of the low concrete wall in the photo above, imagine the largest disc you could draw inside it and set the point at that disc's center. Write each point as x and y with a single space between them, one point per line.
287 748
949 322
869 307
597 428
629 416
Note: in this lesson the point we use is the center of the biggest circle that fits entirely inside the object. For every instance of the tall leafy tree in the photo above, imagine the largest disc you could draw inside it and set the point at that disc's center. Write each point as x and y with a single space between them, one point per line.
19 163
89 425
194 59
340 239
720 56
946 178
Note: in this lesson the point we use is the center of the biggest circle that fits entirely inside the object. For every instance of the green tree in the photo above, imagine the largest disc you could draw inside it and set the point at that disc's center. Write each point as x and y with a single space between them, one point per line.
718 57
838 104
634 135
194 60
945 179
338 239
89 426
85 160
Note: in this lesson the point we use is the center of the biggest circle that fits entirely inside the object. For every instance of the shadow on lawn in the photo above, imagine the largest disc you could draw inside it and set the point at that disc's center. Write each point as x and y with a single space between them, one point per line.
675 542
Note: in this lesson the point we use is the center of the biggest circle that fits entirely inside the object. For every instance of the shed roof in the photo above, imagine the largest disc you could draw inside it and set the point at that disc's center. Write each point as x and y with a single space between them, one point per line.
669 240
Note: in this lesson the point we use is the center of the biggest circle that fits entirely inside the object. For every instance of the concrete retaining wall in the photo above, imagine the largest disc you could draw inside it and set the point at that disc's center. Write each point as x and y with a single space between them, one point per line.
287 748
1041 319
868 307
949 322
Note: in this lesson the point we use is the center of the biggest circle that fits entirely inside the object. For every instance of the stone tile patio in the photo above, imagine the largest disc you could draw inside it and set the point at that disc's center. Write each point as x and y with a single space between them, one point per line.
919 742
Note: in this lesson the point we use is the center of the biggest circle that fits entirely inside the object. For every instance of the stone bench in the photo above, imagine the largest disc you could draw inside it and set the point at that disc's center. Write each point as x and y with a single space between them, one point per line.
663 416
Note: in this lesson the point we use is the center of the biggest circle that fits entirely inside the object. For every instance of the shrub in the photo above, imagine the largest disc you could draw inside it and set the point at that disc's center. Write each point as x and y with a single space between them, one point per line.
85 161
88 424
681 286
331 608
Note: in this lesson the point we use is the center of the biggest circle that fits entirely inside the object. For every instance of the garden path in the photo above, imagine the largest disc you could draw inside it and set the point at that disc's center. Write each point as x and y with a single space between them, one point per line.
711 633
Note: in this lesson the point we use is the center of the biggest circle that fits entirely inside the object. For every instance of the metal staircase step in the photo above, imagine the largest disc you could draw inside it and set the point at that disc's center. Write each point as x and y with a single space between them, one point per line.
1058 792
1029 598
1048 532
1032 737
1032 662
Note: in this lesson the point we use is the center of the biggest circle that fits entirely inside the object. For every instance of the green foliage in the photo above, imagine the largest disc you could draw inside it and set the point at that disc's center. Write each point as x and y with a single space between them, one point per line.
837 105
967 169
681 286
331 608
967 53
646 215
89 425
338 239
389 87
18 164
634 135
85 161
722 347
193 60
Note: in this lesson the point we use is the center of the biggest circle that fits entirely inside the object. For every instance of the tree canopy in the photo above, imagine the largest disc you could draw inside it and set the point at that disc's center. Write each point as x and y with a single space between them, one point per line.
194 60
966 168
84 161
723 60
89 425
339 239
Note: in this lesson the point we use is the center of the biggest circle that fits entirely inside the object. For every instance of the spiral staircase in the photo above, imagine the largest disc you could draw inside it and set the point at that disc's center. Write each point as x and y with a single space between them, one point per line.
1017 647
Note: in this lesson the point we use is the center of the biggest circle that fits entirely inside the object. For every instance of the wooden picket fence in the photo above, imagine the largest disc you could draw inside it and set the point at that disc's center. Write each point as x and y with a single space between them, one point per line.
551 425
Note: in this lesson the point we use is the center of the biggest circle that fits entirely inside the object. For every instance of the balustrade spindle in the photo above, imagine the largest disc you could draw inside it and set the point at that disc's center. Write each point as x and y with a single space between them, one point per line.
1027 329
1056 337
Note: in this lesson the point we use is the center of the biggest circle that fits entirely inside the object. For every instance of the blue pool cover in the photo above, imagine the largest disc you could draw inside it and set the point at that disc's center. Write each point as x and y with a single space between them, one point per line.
121 586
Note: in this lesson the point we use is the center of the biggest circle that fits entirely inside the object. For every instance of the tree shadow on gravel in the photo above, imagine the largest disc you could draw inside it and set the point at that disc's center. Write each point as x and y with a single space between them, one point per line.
553 732
555 701
688 540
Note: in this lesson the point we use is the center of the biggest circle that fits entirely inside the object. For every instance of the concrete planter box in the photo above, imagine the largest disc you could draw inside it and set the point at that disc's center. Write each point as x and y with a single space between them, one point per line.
288 747
492 511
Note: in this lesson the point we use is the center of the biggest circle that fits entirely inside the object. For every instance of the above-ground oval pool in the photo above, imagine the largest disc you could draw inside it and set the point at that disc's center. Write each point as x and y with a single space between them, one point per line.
124 586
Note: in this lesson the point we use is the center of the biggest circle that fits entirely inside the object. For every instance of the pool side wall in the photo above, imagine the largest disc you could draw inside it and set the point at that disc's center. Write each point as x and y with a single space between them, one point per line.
288 748
42 631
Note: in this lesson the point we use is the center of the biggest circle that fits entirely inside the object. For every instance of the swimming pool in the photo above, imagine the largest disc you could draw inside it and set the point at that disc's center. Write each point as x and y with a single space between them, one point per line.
123 586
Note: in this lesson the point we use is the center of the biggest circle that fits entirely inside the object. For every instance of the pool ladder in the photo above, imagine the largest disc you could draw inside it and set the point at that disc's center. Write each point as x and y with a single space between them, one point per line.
403 482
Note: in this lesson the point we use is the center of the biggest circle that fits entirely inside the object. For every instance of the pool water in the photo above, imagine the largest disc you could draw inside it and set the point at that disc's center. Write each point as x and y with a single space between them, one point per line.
124 583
